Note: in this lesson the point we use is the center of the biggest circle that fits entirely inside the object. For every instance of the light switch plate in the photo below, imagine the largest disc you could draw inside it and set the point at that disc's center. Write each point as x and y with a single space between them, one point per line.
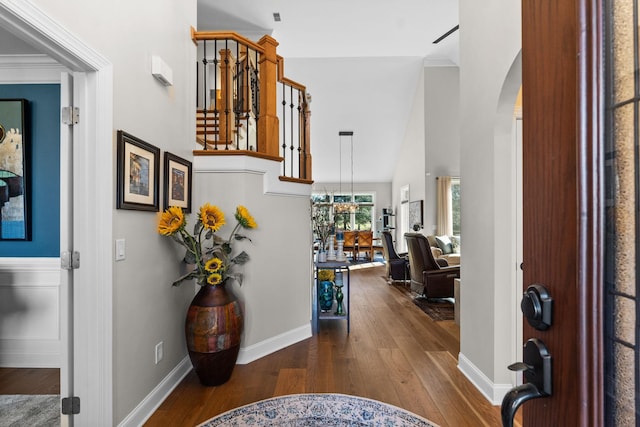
120 250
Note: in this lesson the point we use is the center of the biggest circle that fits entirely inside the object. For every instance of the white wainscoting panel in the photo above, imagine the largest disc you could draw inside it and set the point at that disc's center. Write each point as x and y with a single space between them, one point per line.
30 312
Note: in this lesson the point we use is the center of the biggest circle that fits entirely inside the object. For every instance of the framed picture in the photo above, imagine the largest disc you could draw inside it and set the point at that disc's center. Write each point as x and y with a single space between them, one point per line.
15 216
177 182
138 174
415 215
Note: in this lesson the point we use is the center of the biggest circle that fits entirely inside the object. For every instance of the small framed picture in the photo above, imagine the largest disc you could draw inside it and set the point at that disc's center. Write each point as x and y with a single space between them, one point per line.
177 182
138 174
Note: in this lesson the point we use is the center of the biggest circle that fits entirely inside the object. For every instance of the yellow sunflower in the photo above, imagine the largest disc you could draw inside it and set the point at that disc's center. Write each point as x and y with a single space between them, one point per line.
213 265
212 217
244 217
214 279
171 221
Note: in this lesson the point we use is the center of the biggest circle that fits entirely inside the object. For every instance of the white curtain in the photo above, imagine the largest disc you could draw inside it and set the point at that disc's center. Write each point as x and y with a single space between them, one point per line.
445 217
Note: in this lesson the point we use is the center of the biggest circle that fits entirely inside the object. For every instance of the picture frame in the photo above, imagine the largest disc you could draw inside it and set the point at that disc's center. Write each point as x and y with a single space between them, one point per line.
177 182
138 170
15 155
416 215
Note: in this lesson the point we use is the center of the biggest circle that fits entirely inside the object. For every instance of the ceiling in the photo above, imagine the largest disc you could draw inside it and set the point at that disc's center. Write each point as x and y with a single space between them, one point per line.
359 59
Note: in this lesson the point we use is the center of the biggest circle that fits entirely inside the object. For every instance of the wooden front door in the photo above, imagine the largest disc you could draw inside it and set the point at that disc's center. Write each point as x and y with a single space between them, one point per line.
562 202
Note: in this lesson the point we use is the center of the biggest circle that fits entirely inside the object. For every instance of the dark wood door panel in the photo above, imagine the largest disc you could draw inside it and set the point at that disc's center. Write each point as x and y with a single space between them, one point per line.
558 118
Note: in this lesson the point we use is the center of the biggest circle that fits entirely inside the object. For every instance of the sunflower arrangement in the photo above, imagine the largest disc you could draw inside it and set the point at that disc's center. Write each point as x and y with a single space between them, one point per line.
210 253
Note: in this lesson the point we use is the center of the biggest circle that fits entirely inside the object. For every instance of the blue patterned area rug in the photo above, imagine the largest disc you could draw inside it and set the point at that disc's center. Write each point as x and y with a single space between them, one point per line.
24 410
315 410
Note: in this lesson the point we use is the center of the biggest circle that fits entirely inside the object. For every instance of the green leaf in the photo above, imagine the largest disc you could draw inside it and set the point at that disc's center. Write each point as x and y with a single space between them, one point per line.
241 237
187 276
189 257
241 258
226 248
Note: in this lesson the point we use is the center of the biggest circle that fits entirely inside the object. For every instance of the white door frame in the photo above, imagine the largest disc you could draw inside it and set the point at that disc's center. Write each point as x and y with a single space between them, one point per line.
93 203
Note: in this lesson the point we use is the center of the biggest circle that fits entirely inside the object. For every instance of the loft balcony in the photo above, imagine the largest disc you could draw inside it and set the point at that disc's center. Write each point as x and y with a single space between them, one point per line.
246 106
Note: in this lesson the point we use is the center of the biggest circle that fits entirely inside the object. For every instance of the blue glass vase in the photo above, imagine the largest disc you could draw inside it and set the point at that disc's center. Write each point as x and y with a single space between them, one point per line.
325 295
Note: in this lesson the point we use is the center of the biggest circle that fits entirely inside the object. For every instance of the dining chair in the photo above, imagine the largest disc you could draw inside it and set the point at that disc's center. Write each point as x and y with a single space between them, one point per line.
350 243
365 243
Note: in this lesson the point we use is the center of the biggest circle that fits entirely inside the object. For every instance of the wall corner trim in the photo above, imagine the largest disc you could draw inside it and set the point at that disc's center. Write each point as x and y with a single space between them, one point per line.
493 392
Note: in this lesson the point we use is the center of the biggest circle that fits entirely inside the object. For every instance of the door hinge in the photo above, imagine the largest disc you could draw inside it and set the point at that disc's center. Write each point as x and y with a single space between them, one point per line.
70 115
70 260
70 405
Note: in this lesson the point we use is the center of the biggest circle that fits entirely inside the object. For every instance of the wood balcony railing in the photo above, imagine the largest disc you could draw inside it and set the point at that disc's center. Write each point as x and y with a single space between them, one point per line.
245 105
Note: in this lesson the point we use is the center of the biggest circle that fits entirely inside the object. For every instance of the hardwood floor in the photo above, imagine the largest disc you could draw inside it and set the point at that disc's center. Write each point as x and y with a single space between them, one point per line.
29 381
395 353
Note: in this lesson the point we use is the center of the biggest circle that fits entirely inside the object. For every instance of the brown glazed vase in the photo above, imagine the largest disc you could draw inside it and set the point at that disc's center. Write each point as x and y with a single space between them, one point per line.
213 330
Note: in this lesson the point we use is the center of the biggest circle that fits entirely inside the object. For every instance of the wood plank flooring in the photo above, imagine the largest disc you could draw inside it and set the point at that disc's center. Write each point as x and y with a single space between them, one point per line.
395 353
29 381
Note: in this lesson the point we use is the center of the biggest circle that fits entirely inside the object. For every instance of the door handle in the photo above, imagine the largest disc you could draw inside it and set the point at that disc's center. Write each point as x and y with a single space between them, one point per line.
536 368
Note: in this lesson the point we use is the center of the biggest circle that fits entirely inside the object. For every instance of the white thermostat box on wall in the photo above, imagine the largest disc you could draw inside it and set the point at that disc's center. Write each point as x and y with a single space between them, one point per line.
161 71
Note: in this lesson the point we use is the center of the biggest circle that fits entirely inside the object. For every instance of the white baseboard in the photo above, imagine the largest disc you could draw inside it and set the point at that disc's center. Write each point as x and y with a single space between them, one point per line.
273 344
149 404
493 392
31 353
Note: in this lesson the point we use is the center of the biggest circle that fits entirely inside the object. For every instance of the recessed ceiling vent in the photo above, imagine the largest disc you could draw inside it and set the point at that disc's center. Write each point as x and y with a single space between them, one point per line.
276 16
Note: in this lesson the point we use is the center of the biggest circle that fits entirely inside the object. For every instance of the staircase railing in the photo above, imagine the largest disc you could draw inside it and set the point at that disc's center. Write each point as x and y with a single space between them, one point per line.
240 85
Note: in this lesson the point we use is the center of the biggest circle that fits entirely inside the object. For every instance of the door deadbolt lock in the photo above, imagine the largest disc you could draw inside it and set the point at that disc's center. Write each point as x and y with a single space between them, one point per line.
537 307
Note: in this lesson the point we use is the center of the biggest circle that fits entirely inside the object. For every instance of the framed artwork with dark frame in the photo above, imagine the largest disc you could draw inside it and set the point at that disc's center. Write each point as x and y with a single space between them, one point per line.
15 216
138 168
177 182
416 215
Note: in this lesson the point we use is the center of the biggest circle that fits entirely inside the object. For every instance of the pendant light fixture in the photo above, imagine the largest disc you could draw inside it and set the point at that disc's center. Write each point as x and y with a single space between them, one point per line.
350 206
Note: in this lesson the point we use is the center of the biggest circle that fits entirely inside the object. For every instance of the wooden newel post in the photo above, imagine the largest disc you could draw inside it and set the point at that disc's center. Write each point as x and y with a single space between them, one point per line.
226 121
268 124
307 140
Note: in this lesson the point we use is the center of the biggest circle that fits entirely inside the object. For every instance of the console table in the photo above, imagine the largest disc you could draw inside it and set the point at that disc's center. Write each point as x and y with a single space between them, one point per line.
316 312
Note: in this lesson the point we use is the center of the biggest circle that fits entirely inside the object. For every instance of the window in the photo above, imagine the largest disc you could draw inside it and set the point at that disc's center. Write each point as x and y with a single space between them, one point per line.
455 205
361 219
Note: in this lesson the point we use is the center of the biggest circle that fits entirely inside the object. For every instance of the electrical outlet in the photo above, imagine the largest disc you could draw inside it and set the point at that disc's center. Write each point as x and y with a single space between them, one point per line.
159 352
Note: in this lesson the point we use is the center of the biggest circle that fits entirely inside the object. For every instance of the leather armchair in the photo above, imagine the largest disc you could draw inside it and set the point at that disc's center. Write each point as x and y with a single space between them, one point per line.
397 266
428 277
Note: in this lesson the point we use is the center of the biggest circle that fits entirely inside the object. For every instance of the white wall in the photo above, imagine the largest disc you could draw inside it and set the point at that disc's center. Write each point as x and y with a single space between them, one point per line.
147 309
276 291
442 134
489 45
30 307
410 168
431 146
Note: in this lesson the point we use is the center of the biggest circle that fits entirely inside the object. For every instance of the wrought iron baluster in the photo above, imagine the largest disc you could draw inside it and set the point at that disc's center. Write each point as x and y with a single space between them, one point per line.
284 130
255 91
216 117
291 144
237 77
204 95
300 157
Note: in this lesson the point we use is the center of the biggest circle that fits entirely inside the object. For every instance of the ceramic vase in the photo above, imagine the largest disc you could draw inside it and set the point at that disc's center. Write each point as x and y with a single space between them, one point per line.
213 329
325 295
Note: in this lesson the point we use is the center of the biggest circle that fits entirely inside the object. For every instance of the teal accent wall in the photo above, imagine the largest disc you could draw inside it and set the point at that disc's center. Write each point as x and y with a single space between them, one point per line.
43 146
